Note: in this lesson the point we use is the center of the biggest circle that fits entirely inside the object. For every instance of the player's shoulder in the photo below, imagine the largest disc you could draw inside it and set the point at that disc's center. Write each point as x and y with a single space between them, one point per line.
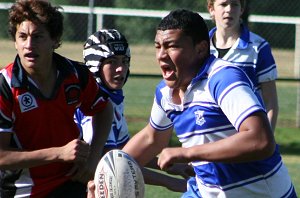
81 67
256 39
7 69
161 88
221 70
67 62
219 64
74 68
77 65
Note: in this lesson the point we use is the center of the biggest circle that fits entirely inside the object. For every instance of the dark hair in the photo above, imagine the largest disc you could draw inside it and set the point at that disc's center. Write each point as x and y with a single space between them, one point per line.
38 12
191 23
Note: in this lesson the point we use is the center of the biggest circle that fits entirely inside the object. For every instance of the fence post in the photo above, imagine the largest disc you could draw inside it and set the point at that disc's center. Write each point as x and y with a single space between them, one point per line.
297 72
90 18
99 23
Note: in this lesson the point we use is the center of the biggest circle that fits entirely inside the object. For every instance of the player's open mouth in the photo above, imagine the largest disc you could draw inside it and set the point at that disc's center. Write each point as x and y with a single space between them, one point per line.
31 56
119 78
228 18
167 72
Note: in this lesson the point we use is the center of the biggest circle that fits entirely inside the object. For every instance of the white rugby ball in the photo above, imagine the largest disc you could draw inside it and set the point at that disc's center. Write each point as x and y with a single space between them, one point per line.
118 176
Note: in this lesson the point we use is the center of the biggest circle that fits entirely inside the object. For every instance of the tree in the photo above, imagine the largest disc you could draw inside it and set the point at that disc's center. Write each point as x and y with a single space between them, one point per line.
142 29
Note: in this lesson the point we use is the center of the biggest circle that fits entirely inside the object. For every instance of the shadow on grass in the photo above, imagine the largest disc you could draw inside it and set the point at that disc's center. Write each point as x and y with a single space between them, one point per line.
288 140
292 148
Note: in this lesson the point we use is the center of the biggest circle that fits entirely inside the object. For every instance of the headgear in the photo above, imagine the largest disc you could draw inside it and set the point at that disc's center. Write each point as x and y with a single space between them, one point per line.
101 45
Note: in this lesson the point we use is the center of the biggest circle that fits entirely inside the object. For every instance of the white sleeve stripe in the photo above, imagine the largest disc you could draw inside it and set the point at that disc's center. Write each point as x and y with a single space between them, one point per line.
228 89
239 103
262 45
246 113
205 131
270 68
159 128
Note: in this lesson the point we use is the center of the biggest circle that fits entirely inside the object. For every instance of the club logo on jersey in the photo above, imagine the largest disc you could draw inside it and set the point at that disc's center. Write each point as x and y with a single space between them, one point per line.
27 102
72 93
199 117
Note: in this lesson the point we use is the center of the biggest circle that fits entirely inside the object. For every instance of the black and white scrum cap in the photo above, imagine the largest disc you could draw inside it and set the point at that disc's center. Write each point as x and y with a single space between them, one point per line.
103 44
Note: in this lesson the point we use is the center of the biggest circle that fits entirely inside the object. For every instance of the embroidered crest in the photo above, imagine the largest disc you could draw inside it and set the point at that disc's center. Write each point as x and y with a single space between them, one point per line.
199 117
72 93
27 102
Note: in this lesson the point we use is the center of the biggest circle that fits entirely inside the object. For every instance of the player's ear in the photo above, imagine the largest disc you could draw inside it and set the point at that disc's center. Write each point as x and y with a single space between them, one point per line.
242 11
55 44
211 11
202 48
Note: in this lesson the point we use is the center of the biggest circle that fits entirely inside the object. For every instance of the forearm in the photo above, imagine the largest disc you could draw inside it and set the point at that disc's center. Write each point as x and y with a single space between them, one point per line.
101 127
75 151
254 141
160 179
10 160
272 108
153 164
147 144
137 150
269 94
247 145
272 116
231 150
152 177
101 123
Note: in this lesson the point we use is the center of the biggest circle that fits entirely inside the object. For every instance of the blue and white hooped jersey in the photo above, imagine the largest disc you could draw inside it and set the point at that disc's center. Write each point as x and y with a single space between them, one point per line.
253 54
215 104
118 135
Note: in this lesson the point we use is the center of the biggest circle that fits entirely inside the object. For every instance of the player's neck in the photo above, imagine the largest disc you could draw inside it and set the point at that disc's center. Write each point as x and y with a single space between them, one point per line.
178 96
225 39
45 80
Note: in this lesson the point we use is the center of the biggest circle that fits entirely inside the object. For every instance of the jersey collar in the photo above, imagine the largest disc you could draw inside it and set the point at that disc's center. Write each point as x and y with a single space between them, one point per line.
19 77
243 41
202 74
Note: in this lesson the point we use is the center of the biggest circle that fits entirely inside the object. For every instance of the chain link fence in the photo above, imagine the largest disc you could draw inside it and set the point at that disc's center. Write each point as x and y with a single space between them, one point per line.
283 36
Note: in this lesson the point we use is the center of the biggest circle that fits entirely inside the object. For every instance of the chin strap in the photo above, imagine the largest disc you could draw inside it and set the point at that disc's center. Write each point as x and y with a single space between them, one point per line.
115 95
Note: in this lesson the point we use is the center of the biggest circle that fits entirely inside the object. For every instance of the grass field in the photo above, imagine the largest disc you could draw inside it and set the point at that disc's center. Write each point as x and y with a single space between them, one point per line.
139 95
143 59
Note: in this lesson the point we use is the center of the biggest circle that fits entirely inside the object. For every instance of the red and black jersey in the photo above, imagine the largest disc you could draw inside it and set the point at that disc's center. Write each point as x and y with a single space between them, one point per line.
37 122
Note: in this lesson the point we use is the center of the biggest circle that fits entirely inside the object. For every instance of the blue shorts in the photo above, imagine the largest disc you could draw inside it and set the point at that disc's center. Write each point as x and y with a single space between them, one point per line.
192 189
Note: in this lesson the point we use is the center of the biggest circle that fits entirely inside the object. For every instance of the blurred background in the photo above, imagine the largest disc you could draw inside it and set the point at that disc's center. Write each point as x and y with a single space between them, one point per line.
141 29
276 20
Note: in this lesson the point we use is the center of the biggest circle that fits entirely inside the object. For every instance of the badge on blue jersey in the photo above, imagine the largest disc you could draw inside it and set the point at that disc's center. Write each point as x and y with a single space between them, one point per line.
199 117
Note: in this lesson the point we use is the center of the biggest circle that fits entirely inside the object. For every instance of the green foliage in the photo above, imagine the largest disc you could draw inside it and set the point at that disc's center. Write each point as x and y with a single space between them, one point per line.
4 24
275 7
141 30
137 29
76 24
279 35
60 2
161 4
